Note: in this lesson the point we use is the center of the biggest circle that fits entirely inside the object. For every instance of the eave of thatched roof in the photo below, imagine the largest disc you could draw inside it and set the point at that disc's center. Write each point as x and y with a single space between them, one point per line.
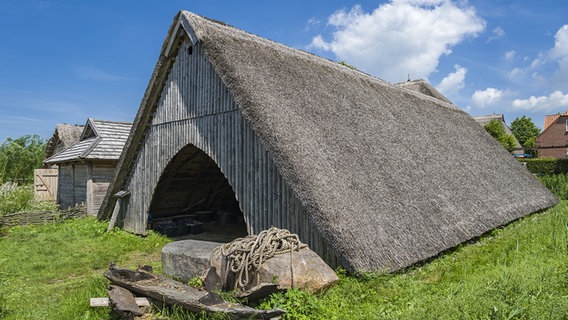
99 140
390 176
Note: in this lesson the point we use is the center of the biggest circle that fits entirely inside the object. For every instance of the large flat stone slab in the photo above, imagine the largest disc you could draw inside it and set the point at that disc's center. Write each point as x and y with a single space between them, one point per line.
186 259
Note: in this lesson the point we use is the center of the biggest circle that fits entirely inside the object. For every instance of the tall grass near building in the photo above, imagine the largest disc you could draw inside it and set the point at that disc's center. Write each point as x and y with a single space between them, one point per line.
557 183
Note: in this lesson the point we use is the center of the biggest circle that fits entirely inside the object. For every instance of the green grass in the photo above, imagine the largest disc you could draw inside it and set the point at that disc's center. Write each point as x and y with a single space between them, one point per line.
557 183
51 271
516 272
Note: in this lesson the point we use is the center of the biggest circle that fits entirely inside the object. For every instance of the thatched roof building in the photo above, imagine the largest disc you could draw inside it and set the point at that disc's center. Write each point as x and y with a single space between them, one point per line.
64 136
86 167
371 175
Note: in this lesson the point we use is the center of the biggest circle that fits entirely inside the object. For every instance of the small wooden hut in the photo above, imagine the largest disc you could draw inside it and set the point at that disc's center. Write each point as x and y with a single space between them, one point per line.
86 168
371 175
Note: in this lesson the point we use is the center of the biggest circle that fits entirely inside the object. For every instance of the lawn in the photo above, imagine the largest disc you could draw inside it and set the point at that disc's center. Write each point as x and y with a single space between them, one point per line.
516 272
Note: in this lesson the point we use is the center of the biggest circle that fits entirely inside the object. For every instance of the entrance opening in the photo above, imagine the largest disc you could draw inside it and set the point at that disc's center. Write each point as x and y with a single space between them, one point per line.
193 200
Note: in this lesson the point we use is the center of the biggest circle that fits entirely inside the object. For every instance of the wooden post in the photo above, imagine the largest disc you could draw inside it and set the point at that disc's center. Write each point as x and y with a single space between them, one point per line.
117 207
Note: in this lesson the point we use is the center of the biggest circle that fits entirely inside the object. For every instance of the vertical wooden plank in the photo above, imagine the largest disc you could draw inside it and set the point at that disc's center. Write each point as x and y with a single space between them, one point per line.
196 108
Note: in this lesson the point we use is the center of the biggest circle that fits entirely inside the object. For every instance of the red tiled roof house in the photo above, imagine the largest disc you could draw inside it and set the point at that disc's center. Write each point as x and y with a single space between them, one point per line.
552 142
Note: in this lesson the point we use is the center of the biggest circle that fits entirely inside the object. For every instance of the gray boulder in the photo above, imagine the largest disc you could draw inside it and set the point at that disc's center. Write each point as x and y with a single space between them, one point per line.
186 259
309 272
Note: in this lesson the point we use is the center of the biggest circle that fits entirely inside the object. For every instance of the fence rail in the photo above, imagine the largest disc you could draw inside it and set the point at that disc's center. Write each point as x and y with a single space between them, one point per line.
41 217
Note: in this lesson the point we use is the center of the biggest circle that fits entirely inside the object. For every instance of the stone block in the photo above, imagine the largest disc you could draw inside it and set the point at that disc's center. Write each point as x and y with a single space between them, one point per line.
186 259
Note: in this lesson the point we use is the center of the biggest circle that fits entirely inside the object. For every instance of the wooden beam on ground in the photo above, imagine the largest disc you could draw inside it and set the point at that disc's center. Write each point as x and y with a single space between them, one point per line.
176 293
104 302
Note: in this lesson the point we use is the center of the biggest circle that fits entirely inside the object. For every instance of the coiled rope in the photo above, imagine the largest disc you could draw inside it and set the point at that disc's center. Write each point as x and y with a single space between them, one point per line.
245 255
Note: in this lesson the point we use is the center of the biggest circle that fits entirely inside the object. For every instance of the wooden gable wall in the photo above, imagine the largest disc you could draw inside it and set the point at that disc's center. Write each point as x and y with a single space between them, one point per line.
196 108
86 183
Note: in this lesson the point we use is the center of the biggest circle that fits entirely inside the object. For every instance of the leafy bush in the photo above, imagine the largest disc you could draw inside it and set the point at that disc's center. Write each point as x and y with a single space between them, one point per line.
14 198
545 166
19 157
496 129
297 303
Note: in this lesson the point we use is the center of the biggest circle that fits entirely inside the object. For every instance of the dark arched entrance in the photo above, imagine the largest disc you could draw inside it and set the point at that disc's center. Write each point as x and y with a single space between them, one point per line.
194 200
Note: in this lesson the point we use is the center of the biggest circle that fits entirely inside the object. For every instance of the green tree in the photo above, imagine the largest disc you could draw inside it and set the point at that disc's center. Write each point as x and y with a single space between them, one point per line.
525 131
495 129
19 157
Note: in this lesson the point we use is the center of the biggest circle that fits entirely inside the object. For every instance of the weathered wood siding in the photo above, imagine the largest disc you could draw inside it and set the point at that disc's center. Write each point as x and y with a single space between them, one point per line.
196 108
65 186
72 184
100 175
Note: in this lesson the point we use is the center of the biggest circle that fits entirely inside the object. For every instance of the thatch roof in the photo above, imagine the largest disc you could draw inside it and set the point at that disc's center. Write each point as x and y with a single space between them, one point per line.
64 136
99 140
389 176
423 87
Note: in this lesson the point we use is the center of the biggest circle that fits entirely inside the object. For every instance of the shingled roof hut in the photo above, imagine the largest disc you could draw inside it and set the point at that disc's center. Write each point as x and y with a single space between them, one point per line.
371 175
87 167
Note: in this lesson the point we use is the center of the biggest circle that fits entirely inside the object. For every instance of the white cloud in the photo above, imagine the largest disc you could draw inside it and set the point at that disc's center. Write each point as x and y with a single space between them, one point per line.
559 54
555 101
487 97
401 36
453 82
560 50
312 22
509 55
497 33
550 68
319 43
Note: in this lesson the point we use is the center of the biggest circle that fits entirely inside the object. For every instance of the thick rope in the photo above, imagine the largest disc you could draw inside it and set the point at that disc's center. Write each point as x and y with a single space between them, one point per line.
245 255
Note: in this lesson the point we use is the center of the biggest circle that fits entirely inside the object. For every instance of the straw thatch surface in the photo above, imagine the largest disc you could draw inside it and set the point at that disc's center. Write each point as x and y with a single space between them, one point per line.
389 176
64 136
423 87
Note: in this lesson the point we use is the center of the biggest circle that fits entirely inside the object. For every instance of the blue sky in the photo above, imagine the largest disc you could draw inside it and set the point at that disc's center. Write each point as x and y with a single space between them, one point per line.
65 61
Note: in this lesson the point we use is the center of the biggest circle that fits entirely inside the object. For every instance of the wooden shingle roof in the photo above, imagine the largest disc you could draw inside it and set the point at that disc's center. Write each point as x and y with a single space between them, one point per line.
100 140
64 136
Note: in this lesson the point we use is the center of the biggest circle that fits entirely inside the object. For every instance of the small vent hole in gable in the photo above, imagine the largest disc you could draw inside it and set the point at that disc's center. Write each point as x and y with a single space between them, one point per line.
190 50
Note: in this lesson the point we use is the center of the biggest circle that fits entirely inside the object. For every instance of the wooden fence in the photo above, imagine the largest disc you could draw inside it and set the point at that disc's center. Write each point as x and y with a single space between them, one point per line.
41 217
45 184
